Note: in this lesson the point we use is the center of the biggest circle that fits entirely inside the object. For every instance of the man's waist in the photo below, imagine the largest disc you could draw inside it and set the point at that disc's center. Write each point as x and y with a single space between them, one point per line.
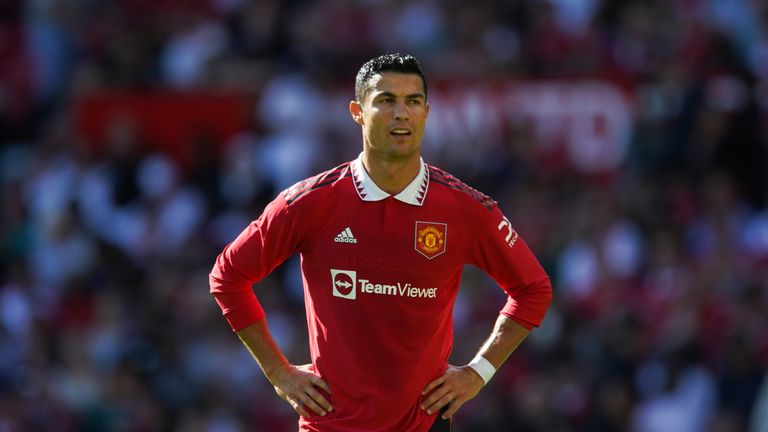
372 412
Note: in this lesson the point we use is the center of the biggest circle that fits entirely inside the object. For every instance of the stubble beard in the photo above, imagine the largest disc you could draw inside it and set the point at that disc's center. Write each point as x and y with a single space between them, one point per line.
395 155
393 152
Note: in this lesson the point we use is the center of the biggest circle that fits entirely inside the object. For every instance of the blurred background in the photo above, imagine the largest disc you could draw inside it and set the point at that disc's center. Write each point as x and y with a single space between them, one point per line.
627 141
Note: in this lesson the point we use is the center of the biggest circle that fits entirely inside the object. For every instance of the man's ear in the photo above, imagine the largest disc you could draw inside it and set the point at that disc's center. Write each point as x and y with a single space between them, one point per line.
357 111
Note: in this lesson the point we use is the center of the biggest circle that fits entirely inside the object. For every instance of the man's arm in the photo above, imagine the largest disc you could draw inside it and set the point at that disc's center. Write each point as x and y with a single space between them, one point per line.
295 384
460 384
503 255
505 338
260 247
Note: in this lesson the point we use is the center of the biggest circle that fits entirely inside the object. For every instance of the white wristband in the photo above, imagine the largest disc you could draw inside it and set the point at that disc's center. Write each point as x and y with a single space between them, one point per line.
483 367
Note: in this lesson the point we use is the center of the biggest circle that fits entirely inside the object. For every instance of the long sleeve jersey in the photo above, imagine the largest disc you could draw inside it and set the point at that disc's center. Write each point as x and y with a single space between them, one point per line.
380 275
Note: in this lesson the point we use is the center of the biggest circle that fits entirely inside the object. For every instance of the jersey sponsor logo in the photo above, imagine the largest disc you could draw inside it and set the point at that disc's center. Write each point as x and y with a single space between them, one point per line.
506 226
345 236
431 238
346 285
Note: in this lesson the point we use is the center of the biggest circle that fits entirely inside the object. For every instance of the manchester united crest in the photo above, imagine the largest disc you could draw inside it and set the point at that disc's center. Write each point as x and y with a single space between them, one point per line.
430 238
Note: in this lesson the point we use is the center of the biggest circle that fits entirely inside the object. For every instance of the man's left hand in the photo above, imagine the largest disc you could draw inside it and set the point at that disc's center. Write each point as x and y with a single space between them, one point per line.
455 387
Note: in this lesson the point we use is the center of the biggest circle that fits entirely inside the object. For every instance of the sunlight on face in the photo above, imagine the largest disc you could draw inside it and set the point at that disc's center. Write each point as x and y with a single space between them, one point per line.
393 115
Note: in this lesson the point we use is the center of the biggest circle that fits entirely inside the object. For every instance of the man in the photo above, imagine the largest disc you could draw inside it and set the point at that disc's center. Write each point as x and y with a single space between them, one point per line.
383 240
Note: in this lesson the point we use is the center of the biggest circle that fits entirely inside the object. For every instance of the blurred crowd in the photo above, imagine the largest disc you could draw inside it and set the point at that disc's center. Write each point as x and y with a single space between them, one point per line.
659 262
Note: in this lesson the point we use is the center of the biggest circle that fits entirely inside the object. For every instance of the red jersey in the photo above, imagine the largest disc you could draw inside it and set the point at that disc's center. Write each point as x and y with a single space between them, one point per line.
380 276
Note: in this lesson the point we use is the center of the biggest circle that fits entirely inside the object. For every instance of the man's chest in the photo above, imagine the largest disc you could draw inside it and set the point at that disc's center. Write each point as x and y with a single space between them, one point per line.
390 235
387 251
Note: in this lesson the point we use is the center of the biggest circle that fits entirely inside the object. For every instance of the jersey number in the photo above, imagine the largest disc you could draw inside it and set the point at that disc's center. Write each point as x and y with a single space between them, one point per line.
511 238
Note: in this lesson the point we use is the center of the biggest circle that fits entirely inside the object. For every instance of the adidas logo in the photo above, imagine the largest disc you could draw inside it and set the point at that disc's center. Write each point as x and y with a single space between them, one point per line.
345 236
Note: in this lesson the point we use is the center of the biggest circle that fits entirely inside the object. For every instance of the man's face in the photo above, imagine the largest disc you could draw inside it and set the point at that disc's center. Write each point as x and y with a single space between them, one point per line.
393 115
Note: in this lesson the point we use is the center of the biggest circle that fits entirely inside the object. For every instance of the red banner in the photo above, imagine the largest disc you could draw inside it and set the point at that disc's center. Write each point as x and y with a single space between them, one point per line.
169 121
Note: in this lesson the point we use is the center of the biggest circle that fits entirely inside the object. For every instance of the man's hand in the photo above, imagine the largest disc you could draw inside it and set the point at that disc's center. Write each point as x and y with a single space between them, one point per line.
296 384
456 386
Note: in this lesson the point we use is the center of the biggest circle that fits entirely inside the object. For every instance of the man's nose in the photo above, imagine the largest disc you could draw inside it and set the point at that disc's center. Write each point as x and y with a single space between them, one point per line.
401 111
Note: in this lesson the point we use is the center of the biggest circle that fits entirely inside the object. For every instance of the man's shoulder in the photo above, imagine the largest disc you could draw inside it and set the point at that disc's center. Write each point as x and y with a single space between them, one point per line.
316 184
452 184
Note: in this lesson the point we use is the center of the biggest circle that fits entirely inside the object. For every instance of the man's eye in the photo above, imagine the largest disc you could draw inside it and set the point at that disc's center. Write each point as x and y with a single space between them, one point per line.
414 102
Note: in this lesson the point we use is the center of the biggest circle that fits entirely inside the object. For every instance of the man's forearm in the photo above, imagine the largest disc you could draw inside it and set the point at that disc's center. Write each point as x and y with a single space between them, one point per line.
460 384
298 385
504 339
263 348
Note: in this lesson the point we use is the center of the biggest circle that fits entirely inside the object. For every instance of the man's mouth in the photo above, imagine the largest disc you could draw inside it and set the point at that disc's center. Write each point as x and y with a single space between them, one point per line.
400 132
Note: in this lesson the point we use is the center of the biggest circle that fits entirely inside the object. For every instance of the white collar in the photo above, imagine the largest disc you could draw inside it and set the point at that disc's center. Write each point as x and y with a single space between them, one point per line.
413 194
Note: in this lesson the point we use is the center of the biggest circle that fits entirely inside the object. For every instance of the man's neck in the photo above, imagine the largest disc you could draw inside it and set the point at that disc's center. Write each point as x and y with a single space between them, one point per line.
391 176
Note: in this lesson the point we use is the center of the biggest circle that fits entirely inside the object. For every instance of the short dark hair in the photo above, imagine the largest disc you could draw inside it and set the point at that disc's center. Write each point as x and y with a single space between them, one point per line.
399 63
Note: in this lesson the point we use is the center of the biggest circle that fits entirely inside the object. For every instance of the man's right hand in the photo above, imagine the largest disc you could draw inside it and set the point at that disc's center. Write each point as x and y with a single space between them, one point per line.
296 384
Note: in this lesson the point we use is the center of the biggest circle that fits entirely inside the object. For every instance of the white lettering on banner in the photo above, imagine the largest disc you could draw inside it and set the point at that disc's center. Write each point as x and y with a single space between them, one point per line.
591 121
346 284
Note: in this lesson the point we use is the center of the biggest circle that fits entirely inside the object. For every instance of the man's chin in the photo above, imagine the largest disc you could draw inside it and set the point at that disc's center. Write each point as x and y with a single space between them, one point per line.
402 153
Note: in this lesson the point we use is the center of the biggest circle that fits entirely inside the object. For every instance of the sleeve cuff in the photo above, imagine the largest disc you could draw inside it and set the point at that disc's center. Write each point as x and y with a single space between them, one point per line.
244 316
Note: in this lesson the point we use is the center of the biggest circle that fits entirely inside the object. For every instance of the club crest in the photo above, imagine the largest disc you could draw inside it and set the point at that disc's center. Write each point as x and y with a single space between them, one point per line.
431 238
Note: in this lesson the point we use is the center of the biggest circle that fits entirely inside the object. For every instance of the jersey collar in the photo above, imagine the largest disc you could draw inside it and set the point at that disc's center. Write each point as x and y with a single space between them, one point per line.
413 194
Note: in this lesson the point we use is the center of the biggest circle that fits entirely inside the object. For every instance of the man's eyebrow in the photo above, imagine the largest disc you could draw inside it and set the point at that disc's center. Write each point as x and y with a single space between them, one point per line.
409 96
